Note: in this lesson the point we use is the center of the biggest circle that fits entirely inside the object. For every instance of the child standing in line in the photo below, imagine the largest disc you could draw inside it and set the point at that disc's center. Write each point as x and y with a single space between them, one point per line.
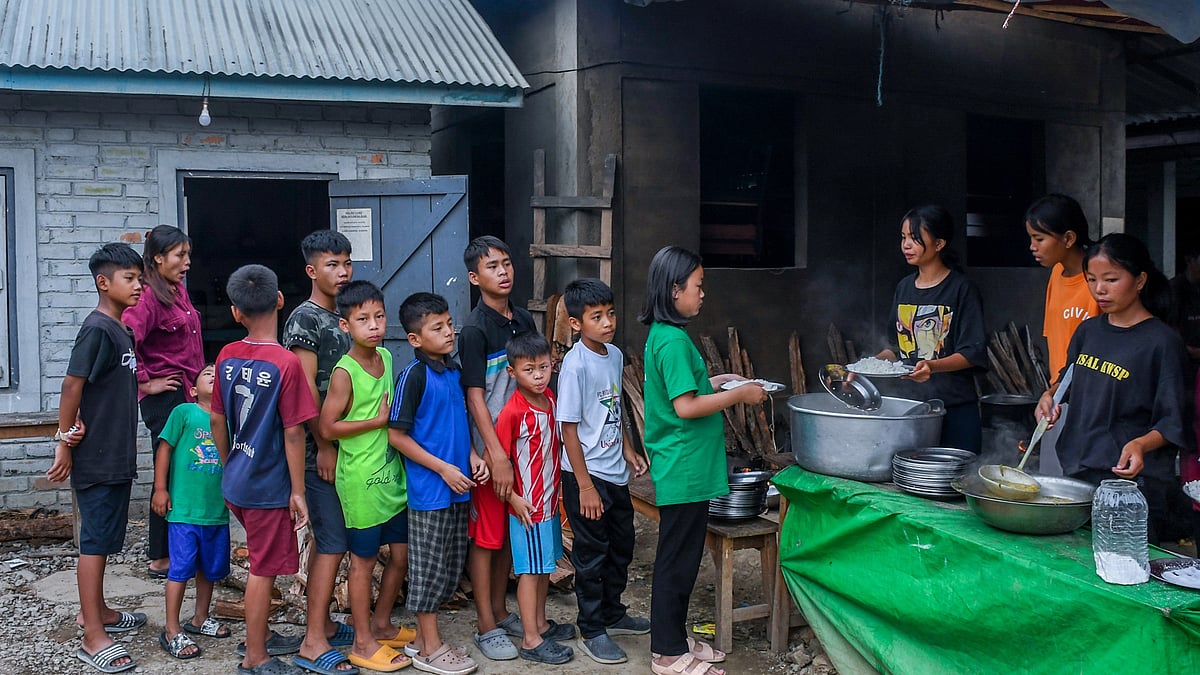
259 408
101 387
489 327
428 424
187 494
685 438
312 333
597 459
527 430
370 475
528 433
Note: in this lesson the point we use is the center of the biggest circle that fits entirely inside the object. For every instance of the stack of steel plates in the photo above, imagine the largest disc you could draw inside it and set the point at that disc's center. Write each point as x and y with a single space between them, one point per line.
927 472
747 497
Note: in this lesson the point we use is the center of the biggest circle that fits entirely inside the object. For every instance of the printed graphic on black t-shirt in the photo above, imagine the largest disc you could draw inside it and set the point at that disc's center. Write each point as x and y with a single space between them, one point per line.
103 354
923 330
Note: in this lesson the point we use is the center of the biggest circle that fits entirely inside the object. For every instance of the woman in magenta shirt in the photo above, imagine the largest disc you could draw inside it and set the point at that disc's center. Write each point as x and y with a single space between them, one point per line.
170 354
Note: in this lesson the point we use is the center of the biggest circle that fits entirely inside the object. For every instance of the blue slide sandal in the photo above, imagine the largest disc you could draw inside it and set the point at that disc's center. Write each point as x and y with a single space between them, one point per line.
325 664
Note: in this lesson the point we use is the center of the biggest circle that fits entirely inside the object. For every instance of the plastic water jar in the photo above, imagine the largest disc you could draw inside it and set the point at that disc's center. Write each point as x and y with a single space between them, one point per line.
1119 520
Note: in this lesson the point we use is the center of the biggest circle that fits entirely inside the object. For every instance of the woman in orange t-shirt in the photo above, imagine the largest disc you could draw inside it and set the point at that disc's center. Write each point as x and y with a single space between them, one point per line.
1058 238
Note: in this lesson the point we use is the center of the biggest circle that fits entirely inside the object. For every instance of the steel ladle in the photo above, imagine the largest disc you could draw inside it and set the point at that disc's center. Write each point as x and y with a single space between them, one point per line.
1009 483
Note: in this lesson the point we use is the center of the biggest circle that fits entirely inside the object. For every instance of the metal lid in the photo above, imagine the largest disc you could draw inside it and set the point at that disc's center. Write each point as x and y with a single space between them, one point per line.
856 391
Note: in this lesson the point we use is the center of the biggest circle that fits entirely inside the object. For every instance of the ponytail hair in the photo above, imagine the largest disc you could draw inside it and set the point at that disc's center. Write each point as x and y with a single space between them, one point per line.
939 224
1057 214
1129 253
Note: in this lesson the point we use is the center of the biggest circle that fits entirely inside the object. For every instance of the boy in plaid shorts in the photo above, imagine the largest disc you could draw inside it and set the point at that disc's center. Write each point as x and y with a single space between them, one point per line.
428 425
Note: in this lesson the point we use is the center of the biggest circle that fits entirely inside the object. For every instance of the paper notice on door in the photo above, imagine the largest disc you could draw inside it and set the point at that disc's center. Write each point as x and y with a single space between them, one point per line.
355 224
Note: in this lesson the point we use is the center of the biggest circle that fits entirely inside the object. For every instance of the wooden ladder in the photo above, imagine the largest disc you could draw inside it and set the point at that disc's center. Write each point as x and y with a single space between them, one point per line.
540 250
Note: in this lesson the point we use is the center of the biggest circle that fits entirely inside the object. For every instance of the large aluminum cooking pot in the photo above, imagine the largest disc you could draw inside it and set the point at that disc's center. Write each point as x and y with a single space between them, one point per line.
829 438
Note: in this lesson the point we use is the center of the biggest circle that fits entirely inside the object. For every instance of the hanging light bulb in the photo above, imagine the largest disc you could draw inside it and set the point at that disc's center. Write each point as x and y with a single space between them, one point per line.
205 118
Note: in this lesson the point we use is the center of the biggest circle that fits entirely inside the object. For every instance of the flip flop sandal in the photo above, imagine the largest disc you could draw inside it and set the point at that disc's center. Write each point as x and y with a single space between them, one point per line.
326 664
701 651
128 621
445 662
177 644
103 660
343 636
549 652
403 637
210 628
156 574
277 645
686 664
271 666
383 660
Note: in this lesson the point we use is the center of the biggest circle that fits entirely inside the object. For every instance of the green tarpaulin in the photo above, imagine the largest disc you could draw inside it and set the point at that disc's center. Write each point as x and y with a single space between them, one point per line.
900 584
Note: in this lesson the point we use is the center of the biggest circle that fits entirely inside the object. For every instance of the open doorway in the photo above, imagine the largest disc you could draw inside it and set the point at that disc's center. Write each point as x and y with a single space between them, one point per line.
235 219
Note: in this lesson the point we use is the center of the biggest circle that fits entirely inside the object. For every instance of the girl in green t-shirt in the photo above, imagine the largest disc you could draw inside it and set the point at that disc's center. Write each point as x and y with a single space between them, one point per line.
685 440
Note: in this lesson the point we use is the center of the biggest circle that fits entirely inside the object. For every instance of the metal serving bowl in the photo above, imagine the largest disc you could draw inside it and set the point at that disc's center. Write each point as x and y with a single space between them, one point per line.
1063 505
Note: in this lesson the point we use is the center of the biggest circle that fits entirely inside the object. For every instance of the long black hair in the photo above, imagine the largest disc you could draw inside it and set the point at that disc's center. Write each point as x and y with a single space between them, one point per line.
162 240
669 269
1129 253
939 224
1057 214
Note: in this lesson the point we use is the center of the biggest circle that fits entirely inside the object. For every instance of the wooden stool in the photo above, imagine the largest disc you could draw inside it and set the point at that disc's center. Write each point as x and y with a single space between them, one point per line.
721 540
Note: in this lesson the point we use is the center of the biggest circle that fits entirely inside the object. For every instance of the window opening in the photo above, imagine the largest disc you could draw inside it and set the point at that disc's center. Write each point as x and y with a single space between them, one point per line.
747 178
1006 171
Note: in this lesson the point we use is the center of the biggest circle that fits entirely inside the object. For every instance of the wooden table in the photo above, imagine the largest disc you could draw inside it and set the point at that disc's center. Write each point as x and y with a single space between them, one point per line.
721 540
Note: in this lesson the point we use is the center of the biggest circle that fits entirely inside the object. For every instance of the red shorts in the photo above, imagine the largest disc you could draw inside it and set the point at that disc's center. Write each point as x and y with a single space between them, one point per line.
270 540
488 525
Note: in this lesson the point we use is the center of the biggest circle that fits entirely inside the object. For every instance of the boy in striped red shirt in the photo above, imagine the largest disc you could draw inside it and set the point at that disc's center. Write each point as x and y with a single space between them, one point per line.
527 430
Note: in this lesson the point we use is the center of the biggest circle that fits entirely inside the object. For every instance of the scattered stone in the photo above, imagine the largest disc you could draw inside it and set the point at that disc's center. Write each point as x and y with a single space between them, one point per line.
801 656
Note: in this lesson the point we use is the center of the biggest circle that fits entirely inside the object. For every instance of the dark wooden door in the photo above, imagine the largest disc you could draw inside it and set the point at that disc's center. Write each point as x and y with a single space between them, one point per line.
408 236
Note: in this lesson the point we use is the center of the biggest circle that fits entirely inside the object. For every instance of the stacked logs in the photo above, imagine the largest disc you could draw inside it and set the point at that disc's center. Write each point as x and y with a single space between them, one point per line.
1016 364
747 429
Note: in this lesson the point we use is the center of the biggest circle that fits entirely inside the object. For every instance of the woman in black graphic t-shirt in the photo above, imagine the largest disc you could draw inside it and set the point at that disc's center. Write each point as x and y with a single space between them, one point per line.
1127 394
938 319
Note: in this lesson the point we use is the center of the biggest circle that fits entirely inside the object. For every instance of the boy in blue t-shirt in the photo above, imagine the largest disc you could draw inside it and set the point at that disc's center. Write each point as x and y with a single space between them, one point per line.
259 408
187 493
428 425
100 389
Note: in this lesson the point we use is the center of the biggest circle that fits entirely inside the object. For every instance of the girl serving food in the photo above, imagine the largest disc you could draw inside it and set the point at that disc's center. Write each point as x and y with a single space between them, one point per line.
1127 394
939 324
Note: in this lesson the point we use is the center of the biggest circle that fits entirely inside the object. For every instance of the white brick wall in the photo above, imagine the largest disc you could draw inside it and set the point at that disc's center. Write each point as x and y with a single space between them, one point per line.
97 181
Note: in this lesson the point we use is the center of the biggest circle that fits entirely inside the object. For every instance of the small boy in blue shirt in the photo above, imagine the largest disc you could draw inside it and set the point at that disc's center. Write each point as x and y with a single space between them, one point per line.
100 388
428 425
187 493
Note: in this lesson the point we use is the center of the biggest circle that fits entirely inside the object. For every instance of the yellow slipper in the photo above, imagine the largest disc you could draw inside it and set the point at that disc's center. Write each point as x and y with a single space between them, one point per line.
403 637
382 660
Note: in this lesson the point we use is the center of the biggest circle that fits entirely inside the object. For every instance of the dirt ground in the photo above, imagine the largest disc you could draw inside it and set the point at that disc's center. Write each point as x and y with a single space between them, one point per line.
39 602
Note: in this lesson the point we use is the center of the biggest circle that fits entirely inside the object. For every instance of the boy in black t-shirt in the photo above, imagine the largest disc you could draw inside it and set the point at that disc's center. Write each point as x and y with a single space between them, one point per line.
100 388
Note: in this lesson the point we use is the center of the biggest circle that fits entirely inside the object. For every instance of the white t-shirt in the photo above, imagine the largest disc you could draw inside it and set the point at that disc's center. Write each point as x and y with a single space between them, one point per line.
589 393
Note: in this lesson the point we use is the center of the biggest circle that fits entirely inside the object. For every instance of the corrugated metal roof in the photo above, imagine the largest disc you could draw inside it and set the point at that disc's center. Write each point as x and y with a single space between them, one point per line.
443 42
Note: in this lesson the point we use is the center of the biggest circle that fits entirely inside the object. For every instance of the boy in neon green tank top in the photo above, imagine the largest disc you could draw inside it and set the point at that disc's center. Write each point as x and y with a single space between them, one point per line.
370 476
